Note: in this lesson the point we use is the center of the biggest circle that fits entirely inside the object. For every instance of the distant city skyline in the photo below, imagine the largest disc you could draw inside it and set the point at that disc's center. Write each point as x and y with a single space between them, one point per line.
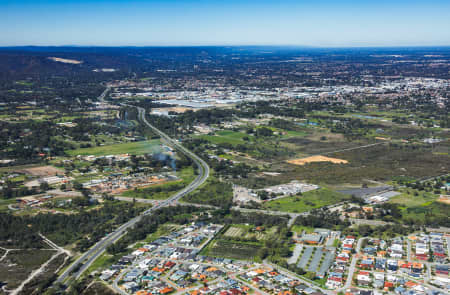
319 23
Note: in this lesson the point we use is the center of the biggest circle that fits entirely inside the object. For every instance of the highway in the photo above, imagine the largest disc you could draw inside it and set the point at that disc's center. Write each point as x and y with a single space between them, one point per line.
77 268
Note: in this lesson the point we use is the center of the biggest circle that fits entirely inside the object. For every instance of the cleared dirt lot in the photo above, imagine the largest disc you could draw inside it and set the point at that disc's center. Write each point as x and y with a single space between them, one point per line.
313 159
444 199
66 60
42 171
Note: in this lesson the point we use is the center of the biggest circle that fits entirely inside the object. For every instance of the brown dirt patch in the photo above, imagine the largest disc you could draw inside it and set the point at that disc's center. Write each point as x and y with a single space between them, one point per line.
42 171
444 199
66 60
313 159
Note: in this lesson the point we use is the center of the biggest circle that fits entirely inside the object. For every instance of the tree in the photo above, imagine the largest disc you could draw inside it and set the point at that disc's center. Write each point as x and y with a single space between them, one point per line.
264 132
44 186
77 186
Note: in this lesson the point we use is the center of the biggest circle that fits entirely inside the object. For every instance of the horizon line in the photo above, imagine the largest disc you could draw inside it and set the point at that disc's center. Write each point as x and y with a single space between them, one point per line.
228 45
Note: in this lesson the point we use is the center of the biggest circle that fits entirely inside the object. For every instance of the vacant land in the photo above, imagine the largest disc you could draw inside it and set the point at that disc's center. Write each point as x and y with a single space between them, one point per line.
308 201
225 136
66 60
421 207
42 171
165 190
17 265
98 288
444 199
41 281
313 159
412 200
240 241
135 148
379 163
212 192
320 143
232 249
249 232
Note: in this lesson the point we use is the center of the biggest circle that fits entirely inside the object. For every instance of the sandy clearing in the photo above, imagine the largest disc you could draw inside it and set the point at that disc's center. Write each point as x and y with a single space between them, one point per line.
66 61
313 159
444 199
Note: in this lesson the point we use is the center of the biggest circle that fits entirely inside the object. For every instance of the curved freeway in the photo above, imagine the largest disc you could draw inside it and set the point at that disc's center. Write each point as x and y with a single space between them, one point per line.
78 267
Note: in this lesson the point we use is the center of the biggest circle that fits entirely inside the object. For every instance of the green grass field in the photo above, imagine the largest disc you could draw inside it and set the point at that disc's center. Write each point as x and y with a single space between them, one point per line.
308 201
410 200
136 148
300 228
423 208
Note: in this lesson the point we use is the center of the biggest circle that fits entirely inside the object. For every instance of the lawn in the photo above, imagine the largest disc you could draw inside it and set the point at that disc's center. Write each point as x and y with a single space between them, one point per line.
300 228
308 201
136 148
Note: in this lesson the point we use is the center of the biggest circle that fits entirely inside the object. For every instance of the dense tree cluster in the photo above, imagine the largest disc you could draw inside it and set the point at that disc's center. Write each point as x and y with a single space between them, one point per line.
85 228
16 233
214 192
322 218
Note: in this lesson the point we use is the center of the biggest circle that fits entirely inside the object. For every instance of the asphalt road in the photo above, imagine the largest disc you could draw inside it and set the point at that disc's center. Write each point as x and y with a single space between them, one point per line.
77 268
352 267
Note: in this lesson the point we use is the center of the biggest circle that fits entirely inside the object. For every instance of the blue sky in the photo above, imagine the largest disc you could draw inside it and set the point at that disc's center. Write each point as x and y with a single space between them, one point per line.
225 22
